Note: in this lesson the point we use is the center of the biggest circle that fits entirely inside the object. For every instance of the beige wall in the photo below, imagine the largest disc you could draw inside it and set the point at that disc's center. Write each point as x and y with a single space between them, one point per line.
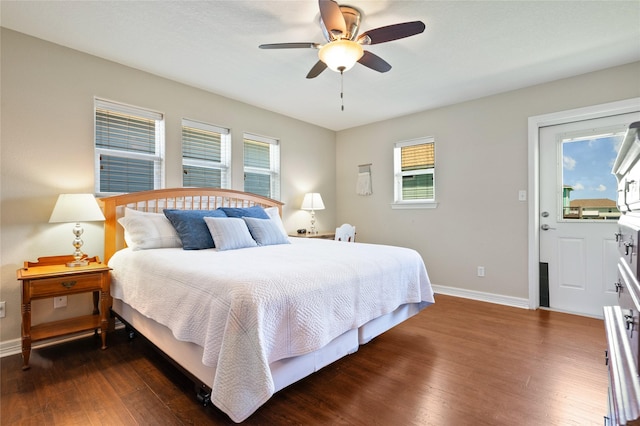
47 149
481 164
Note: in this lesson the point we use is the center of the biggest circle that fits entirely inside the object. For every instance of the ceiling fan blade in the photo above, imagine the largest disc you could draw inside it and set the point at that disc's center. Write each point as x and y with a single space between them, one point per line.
317 69
332 18
302 45
374 62
391 32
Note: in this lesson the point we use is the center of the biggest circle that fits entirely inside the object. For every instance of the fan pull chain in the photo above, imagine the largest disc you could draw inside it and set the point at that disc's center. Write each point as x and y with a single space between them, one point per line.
341 88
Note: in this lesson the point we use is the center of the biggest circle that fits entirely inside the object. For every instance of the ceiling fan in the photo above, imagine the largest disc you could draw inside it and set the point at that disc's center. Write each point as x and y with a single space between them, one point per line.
340 25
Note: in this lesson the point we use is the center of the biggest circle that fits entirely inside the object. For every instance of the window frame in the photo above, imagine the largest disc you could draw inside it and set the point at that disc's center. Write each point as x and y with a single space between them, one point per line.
158 156
274 163
224 165
398 202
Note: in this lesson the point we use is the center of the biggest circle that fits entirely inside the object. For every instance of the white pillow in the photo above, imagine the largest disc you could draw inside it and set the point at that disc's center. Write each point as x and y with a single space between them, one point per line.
274 215
144 230
229 233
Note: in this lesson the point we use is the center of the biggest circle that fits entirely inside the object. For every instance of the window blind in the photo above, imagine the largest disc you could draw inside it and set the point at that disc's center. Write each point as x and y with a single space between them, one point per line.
414 164
121 175
205 159
125 132
416 157
262 166
129 148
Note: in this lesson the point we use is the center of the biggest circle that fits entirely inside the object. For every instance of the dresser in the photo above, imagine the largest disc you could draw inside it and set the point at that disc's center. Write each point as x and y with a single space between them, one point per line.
622 321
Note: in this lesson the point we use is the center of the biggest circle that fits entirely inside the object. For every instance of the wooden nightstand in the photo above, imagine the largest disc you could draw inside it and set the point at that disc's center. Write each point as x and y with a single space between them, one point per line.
323 235
48 278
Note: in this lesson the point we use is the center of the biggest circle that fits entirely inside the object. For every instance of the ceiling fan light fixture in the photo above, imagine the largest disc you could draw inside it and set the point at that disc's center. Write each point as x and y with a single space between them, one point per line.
340 55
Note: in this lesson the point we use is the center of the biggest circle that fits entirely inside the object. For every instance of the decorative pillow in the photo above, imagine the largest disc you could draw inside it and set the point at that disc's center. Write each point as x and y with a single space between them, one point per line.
229 233
265 231
191 228
144 230
274 215
254 211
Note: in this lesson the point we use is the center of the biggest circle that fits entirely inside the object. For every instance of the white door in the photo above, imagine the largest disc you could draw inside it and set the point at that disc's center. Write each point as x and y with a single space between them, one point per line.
578 222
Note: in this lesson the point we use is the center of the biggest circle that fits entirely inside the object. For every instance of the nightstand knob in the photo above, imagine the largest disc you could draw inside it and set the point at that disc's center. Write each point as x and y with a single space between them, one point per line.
68 284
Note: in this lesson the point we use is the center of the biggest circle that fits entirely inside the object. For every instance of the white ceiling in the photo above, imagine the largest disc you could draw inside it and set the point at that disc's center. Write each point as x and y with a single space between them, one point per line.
470 49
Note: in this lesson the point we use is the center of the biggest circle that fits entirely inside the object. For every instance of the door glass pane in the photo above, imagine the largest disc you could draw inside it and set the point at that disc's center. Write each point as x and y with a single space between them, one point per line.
589 189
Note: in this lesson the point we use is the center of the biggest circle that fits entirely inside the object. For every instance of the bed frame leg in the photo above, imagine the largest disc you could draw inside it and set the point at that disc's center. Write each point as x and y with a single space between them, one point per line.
203 394
131 333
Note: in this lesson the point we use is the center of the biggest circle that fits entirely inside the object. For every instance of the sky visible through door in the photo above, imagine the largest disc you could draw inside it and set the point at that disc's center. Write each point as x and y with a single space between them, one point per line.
589 187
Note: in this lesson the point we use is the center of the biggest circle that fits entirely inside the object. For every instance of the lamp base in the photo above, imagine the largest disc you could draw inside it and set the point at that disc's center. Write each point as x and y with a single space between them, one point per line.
75 263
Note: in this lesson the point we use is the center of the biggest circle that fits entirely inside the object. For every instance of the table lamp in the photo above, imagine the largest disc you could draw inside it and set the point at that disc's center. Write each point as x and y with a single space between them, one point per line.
76 208
312 201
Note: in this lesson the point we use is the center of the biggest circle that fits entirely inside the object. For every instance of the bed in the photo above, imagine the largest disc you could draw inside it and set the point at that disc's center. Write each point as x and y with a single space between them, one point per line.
254 314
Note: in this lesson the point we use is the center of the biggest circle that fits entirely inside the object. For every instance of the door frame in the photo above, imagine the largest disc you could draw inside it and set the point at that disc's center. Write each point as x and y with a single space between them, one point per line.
535 123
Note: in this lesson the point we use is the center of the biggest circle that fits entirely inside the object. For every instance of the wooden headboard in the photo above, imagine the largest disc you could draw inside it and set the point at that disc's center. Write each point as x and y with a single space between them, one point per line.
173 198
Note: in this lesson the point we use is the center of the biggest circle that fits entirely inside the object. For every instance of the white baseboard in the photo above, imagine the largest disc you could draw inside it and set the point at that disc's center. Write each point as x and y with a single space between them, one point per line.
499 299
13 347
10 347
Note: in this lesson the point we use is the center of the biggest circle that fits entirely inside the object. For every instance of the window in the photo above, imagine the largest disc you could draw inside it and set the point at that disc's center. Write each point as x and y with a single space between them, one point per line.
589 189
414 165
262 166
129 154
205 155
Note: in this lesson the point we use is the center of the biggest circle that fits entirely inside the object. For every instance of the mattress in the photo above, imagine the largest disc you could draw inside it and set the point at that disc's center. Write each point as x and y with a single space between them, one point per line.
248 309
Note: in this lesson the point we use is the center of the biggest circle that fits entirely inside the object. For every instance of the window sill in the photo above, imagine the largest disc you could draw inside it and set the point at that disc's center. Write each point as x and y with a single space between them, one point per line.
414 205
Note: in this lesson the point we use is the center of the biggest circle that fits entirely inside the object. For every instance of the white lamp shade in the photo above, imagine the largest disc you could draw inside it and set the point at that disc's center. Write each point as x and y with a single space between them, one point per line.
76 208
340 55
312 201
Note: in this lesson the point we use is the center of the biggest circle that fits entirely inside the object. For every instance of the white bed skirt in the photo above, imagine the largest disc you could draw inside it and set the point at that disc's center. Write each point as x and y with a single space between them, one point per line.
286 371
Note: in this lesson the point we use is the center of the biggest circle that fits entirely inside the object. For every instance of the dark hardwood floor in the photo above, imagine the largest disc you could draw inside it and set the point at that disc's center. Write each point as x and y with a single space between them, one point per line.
459 362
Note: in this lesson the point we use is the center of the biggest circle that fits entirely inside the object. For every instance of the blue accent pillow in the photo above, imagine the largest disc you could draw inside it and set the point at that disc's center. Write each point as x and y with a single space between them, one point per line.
191 228
266 232
254 211
229 233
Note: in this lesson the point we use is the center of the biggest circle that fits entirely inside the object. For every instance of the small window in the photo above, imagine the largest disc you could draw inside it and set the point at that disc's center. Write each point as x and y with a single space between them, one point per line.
205 155
262 166
414 167
129 148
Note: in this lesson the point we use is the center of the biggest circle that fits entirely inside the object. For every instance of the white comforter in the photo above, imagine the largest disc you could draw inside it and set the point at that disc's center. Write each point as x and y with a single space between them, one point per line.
250 307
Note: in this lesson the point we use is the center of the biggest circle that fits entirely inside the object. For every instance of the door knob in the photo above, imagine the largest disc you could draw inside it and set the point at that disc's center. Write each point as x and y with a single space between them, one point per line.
545 227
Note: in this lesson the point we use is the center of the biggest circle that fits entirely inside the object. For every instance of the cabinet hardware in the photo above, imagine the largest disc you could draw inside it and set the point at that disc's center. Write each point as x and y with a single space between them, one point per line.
628 319
68 284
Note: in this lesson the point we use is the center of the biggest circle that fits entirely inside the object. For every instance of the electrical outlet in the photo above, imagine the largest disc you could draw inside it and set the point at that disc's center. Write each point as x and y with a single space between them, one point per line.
481 271
3 309
59 302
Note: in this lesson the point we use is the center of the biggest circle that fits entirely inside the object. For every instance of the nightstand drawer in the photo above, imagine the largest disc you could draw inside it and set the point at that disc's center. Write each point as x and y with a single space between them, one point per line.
49 287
